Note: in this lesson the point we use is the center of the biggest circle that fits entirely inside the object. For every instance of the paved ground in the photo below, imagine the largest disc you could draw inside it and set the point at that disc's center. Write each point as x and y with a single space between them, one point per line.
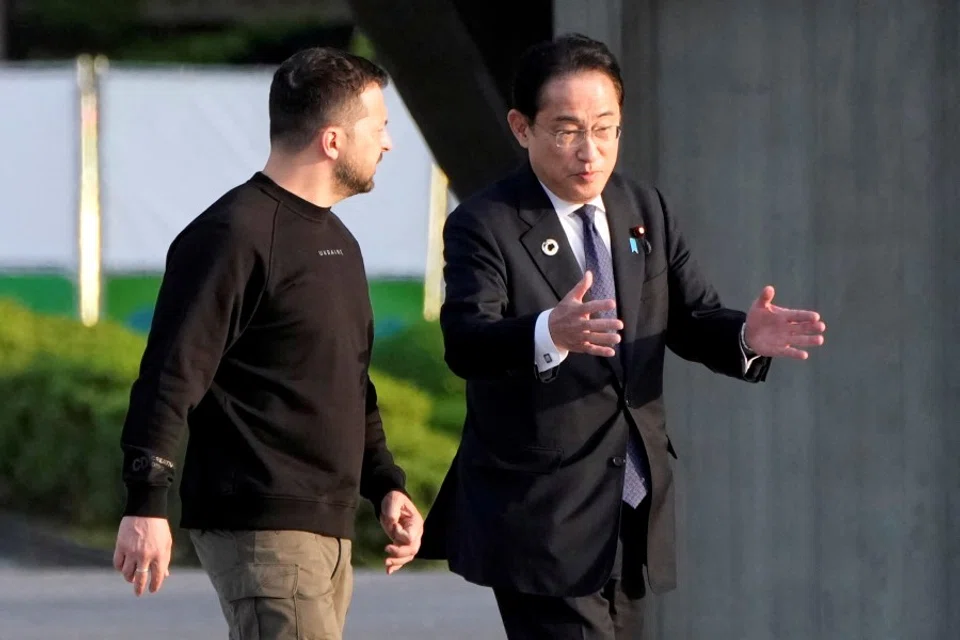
83 604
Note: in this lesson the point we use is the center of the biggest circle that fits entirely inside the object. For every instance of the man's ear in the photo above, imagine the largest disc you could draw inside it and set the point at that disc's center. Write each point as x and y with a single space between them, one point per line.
330 141
520 127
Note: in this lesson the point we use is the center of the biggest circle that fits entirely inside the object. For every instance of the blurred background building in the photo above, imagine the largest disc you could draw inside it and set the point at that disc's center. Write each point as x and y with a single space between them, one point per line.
809 144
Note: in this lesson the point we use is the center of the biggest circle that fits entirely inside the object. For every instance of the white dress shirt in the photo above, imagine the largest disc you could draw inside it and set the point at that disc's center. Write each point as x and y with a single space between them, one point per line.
547 354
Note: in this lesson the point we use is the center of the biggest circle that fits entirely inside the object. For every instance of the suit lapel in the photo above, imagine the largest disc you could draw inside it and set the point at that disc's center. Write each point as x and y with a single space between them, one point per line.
560 269
628 267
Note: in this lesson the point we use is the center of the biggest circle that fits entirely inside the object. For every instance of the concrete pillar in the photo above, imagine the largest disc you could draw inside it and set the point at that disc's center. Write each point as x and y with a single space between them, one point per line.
813 145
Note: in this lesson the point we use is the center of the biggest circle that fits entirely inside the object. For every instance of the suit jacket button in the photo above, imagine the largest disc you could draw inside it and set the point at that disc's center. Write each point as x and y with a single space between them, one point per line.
618 461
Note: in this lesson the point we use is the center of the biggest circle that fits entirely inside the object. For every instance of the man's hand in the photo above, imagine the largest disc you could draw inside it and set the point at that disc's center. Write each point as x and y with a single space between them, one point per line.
403 524
143 552
572 328
775 331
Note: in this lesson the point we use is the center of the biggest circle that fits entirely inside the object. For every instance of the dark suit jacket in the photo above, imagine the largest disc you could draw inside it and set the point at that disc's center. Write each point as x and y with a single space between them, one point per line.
532 500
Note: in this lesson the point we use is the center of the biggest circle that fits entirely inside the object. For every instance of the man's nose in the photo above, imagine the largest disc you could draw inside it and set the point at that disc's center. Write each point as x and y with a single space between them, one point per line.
588 150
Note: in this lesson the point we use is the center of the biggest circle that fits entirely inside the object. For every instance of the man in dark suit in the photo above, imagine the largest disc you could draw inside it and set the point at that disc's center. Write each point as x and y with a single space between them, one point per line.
565 283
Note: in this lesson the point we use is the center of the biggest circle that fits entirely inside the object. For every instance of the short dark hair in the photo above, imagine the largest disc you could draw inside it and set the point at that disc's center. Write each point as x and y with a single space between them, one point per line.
315 88
566 54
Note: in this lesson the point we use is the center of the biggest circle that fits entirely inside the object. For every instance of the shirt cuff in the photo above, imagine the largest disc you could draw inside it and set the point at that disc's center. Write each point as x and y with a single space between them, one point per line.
749 355
547 355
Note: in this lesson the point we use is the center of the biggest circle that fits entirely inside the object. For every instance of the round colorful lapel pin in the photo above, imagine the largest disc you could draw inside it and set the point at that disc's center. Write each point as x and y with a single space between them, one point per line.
550 247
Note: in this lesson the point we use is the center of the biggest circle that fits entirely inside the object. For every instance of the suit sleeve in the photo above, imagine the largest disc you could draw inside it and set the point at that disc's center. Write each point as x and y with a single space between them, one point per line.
379 474
480 341
700 329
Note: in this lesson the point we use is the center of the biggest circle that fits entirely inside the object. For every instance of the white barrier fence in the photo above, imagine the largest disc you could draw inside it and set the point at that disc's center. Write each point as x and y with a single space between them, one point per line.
171 140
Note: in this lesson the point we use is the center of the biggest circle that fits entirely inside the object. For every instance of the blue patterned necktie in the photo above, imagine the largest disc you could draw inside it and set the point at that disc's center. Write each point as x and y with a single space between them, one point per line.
599 262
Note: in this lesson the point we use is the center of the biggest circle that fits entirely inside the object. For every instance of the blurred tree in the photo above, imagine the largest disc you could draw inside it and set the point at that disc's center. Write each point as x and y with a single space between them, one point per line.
54 28
269 43
98 18
58 29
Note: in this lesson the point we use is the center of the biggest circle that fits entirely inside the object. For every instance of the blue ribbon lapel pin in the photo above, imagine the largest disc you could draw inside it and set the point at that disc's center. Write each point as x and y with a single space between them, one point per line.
638 237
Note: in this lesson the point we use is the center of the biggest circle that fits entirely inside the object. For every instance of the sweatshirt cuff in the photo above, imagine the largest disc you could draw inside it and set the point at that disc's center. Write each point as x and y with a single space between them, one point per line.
145 501
385 485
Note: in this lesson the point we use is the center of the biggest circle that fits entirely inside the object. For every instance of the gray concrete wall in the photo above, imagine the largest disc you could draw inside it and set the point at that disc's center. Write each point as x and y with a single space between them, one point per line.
596 19
814 146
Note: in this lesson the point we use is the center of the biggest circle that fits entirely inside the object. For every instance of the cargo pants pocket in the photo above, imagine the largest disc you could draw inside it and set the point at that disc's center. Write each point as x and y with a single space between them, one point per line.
279 602
260 601
278 585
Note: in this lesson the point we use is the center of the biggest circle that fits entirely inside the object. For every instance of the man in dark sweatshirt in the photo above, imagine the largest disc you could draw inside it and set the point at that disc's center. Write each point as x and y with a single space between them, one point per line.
260 347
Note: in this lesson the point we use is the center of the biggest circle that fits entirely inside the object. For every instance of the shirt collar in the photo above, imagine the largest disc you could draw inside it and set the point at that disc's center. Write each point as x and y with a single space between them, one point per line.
564 208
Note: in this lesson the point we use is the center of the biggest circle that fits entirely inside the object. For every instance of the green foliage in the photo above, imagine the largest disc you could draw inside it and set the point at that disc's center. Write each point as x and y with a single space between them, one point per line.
59 446
423 452
91 16
66 388
415 354
26 336
362 46
220 47
128 31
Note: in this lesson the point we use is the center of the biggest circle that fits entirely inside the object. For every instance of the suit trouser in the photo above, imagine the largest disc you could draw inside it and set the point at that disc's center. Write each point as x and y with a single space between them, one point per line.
278 585
613 613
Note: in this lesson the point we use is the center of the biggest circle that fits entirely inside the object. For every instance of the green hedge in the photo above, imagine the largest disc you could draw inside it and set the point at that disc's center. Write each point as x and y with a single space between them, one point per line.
422 451
415 355
65 390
